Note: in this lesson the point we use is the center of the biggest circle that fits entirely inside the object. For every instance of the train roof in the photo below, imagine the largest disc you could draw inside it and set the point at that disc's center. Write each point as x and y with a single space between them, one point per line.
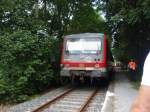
85 35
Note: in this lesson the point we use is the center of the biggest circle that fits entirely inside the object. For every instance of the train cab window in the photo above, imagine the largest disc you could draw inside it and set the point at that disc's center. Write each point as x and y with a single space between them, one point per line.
83 46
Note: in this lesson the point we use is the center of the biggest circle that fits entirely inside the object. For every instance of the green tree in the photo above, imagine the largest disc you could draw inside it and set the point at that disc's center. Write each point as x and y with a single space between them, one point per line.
24 63
129 24
87 19
30 37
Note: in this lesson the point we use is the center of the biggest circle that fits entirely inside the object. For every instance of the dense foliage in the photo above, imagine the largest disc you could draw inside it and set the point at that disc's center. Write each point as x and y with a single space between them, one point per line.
24 63
30 38
31 35
129 23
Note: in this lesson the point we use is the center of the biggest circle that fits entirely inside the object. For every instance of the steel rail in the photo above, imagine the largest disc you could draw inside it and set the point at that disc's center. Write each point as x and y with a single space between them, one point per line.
89 99
43 106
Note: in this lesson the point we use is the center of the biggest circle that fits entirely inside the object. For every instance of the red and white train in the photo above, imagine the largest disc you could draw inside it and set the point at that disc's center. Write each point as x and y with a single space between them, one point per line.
85 55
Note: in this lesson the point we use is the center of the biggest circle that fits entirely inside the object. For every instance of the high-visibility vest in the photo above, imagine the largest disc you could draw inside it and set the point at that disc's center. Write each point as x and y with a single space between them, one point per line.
132 65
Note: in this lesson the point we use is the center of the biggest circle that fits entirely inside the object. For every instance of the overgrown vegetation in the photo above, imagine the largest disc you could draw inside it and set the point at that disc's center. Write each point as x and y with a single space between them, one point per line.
25 65
30 38
129 23
31 35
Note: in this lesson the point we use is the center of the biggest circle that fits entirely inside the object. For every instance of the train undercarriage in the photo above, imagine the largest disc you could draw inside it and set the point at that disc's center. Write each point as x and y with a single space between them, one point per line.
82 76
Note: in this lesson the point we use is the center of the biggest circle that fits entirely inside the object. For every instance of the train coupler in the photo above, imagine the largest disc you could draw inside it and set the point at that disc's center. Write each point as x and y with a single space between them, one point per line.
91 80
82 79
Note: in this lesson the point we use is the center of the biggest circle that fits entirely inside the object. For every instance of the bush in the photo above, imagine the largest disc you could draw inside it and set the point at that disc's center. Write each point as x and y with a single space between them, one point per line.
24 65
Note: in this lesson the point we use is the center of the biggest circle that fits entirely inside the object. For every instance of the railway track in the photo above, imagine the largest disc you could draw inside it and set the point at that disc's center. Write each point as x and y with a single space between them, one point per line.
72 100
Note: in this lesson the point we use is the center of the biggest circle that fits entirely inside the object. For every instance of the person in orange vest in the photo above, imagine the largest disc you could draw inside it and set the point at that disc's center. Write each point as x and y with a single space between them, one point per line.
132 69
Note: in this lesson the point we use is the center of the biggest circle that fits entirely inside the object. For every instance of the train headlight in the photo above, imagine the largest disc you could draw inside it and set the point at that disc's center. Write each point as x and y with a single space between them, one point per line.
96 65
81 65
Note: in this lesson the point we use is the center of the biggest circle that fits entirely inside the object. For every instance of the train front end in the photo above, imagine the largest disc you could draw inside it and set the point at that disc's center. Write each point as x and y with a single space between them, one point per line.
84 55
